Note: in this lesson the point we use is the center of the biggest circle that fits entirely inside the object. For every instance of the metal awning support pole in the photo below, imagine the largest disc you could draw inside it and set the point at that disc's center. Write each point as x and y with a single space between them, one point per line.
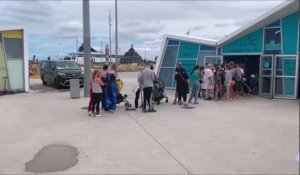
87 47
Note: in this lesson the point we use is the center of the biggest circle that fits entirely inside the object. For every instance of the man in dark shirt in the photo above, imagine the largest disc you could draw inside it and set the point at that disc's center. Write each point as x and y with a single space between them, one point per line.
182 83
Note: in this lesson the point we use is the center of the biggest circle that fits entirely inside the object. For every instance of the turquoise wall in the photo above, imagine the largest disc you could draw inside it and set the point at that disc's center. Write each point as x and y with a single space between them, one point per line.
189 53
251 43
290 33
188 50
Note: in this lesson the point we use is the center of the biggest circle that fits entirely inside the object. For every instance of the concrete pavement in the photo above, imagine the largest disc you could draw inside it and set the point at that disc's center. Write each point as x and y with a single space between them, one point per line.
251 135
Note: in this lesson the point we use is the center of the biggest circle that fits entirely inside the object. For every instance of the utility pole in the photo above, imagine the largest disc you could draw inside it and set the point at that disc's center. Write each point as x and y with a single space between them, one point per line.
76 44
87 46
109 23
101 51
116 16
76 51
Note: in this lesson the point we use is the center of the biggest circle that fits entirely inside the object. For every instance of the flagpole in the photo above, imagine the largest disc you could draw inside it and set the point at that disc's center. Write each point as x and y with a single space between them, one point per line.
76 51
116 20
109 22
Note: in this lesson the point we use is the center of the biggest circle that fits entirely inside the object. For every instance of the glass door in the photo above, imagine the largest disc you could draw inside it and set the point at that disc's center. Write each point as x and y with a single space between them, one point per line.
286 81
266 76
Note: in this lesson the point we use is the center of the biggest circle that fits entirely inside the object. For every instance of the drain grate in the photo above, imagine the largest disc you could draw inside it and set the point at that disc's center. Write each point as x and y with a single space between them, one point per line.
187 107
84 108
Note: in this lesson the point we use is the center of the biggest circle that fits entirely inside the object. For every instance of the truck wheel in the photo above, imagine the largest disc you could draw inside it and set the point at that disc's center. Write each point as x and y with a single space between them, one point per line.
56 84
43 81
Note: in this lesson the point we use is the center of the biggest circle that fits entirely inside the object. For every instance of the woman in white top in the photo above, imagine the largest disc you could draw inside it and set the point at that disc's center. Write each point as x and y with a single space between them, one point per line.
208 83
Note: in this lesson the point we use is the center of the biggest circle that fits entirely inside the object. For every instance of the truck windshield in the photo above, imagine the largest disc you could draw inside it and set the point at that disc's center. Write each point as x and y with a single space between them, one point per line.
65 65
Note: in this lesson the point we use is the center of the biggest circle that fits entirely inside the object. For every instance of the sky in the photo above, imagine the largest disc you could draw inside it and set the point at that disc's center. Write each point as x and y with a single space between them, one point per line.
52 26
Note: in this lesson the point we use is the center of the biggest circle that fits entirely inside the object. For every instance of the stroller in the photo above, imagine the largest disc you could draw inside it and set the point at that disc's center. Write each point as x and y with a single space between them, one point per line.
122 98
159 91
252 87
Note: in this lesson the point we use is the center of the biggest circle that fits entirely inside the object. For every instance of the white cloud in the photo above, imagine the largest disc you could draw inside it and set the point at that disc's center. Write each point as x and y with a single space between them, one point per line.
141 23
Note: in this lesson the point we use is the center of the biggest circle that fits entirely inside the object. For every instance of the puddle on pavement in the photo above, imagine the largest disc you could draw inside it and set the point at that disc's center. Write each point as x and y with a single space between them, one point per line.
53 158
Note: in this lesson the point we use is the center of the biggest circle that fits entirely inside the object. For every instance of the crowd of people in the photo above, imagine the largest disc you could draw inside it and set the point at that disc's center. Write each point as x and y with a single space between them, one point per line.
103 90
209 82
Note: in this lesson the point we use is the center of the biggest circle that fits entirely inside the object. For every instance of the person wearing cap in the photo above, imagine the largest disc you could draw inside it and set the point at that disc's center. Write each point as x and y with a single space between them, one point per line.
182 84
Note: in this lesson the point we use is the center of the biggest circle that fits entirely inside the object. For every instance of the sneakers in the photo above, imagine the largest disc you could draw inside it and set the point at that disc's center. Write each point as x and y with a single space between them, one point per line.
99 115
151 110
92 114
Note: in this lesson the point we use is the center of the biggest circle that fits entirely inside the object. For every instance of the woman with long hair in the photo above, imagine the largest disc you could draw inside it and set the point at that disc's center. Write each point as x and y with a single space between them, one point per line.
103 78
111 92
228 82
195 84
218 83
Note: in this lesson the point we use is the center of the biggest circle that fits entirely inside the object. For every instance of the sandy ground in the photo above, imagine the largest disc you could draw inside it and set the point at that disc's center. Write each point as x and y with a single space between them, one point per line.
251 135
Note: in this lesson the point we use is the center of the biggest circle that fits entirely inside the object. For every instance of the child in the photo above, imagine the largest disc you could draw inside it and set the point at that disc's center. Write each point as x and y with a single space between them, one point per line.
97 93
91 100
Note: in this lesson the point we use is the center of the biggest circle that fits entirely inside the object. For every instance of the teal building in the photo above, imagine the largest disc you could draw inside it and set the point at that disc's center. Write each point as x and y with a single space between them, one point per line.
267 46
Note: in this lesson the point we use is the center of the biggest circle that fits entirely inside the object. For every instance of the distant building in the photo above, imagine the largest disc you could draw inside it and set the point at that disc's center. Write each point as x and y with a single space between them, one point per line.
81 49
131 57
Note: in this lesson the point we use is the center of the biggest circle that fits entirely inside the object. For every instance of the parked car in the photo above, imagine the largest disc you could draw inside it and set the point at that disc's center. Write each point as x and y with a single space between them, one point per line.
59 73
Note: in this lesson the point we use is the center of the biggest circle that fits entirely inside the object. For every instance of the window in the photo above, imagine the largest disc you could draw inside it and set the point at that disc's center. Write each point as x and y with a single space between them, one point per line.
220 51
13 48
173 42
170 56
66 65
1 43
274 24
272 43
46 66
52 66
